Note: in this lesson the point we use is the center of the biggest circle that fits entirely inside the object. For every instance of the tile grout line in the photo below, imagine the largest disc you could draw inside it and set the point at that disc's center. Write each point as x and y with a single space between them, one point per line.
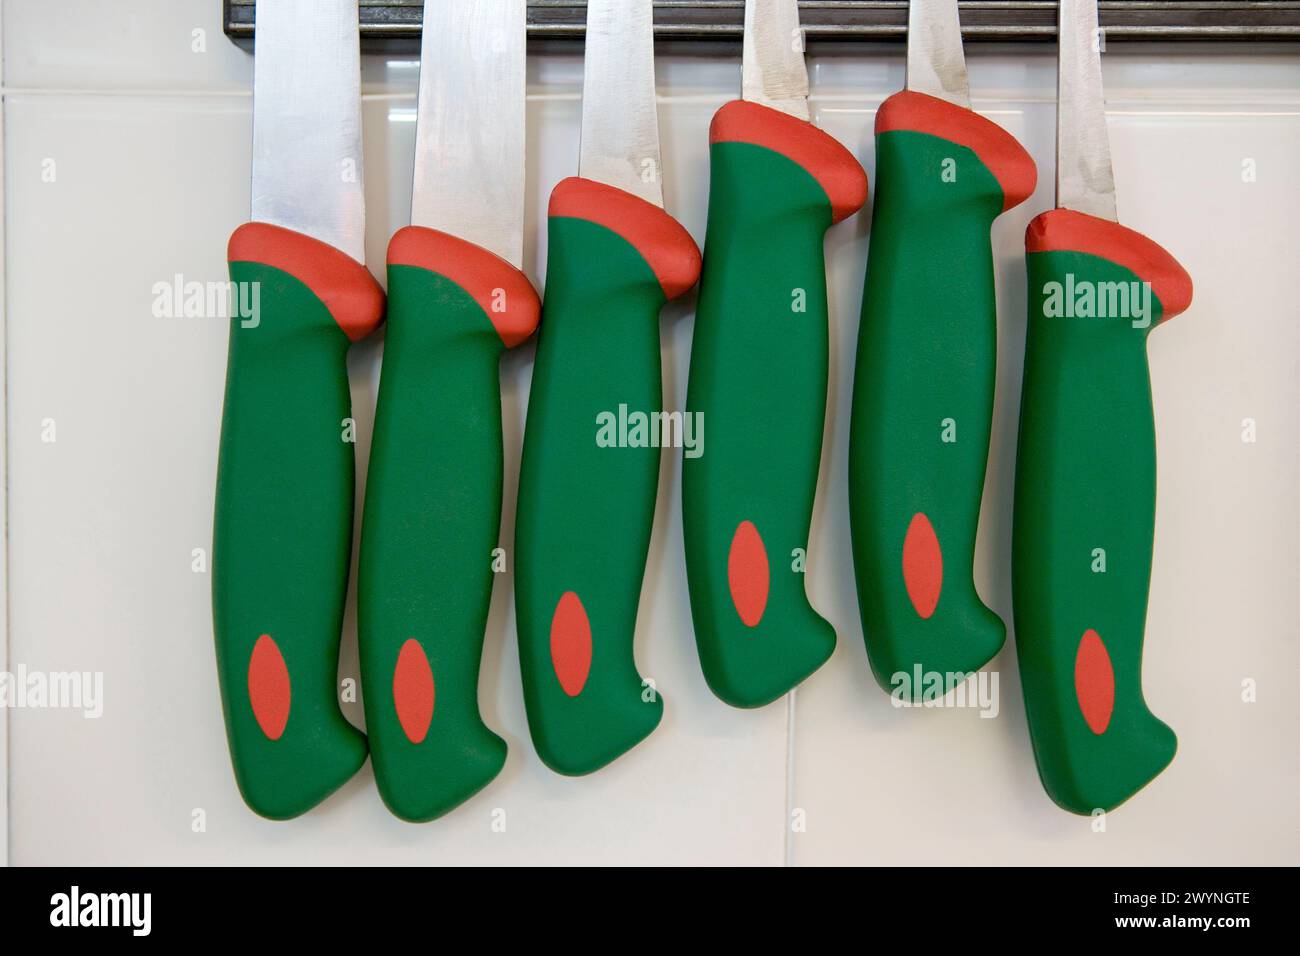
864 101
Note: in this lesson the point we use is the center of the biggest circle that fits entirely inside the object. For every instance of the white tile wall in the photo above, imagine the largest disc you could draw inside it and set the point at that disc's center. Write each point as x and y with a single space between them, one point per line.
150 142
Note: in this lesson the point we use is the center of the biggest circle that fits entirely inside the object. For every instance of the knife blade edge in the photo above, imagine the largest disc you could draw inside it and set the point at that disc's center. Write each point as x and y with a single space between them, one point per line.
773 71
307 172
1085 179
470 124
936 60
620 121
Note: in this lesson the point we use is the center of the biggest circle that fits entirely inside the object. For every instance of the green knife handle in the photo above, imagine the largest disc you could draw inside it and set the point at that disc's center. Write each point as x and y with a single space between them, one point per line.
586 508
758 386
432 516
282 536
923 388
1085 505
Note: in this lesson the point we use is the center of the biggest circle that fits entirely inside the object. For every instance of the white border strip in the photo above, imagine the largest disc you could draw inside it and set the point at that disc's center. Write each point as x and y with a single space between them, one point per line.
4 493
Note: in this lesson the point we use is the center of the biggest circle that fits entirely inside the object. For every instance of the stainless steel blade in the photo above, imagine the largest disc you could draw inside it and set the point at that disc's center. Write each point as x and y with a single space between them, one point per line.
469 133
307 172
620 121
1085 181
936 62
772 66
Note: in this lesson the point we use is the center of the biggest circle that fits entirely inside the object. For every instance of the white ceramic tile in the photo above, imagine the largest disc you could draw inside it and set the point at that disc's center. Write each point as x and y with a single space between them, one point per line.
163 45
886 786
106 517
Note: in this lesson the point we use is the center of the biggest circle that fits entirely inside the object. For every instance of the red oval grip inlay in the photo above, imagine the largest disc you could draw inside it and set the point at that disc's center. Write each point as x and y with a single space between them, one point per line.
922 565
571 644
748 575
1094 682
268 687
413 691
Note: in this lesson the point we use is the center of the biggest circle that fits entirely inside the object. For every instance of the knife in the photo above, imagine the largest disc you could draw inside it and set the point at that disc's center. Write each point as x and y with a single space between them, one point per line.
927 352
282 533
1086 467
457 301
759 370
585 509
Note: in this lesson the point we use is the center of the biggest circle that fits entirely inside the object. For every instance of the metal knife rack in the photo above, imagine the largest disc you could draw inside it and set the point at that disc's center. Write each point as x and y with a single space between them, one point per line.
395 24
